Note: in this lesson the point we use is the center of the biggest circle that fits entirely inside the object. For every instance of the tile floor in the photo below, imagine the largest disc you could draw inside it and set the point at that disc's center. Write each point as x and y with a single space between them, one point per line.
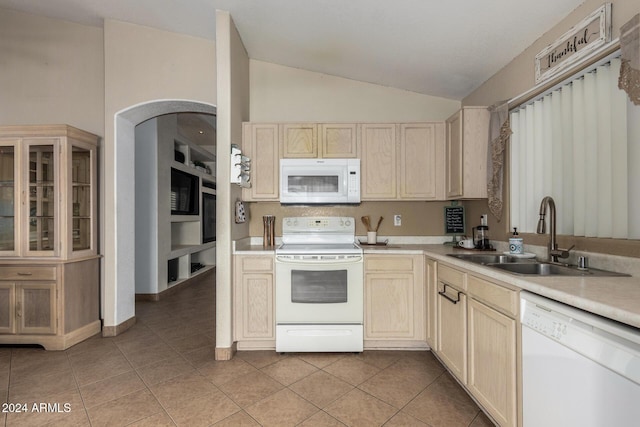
162 373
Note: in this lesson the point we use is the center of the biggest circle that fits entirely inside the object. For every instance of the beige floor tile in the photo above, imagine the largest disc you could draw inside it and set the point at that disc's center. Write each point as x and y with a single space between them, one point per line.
42 386
394 388
203 411
321 388
182 389
137 332
111 388
282 409
442 405
189 343
239 419
93 355
96 342
321 360
402 419
220 372
201 356
289 370
124 410
352 370
87 373
321 419
164 370
261 358
379 358
357 408
250 388
482 421
161 419
154 353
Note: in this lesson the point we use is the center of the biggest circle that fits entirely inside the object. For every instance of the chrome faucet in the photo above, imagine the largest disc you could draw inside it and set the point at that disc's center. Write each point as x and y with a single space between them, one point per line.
554 252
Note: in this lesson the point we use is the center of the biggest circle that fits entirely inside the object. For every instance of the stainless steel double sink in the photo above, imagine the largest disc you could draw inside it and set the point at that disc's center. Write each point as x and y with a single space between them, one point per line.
531 267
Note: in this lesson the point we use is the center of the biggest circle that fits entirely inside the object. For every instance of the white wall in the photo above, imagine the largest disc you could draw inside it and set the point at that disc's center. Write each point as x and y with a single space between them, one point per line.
280 93
233 108
51 72
143 66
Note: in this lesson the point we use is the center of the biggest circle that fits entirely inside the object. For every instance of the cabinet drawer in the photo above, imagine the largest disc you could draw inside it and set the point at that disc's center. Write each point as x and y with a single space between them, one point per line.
494 295
257 263
388 263
452 276
28 273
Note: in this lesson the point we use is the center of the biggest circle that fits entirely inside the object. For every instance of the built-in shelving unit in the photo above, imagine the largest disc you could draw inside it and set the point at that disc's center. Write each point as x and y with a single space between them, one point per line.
169 248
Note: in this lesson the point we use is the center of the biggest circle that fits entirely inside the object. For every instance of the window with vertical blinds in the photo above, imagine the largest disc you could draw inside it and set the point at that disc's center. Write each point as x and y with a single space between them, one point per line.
579 144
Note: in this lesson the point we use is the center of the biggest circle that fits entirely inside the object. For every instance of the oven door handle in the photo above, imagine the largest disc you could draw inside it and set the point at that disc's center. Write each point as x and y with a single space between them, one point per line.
318 259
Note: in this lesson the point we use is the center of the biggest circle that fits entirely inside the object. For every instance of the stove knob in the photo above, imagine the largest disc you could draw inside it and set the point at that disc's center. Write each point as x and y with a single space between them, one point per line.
295 222
347 223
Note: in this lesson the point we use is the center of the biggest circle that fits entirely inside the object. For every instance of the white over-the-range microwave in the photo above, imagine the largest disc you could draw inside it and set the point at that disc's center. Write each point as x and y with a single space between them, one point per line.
319 181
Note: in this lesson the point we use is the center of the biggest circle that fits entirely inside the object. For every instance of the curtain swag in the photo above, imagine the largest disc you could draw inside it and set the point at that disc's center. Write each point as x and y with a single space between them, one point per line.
499 133
629 79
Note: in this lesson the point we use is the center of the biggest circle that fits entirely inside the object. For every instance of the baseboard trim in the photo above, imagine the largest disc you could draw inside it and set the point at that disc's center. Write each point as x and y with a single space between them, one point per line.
112 331
173 289
226 353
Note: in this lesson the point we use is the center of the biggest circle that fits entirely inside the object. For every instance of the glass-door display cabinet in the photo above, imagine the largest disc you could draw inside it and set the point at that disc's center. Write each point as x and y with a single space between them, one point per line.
48 235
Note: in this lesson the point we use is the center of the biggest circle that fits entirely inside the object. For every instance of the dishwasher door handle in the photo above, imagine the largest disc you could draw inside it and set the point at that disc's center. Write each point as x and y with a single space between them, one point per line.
443 292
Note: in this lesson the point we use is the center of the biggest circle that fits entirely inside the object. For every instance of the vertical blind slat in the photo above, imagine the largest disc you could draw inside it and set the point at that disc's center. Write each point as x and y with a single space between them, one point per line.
573 144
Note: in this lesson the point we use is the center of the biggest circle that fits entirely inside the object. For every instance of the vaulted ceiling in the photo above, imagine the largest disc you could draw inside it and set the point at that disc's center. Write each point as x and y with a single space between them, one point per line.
444 48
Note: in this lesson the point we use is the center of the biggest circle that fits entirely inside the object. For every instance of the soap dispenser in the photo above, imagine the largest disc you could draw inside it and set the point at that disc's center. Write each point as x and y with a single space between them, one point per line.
516 245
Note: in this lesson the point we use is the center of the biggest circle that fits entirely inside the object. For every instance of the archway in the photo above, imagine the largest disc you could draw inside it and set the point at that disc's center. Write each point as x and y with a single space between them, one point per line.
119 291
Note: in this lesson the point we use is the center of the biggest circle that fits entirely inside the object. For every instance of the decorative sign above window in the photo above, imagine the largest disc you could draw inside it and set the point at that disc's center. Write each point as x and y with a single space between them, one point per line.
584 38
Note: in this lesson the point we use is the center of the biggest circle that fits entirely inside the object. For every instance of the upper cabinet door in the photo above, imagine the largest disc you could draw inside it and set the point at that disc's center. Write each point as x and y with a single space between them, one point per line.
422 161
454 156
466 154
41 232
81 180
339 140
261 144
9 198
299 140
378 163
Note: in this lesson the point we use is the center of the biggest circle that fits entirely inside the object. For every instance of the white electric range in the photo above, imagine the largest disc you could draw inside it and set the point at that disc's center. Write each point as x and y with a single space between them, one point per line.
319 286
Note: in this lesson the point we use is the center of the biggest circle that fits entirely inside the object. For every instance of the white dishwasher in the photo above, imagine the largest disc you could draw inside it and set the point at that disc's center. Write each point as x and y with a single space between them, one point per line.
578 369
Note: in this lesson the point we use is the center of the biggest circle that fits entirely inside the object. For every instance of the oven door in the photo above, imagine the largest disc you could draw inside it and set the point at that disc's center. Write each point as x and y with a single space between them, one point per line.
327 289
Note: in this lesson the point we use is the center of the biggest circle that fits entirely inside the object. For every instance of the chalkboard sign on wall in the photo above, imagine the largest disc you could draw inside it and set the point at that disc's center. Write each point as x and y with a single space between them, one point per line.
454 220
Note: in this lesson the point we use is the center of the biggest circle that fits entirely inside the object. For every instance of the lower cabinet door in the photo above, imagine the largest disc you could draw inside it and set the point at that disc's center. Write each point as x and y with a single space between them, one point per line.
492 362
452 330
36 308
7 308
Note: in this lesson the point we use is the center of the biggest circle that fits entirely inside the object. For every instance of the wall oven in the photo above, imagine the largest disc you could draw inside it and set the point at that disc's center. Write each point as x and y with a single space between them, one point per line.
319 286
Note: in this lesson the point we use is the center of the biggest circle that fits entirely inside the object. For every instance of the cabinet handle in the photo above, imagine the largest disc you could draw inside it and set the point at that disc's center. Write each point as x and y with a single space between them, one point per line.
444 294
24 274
19 309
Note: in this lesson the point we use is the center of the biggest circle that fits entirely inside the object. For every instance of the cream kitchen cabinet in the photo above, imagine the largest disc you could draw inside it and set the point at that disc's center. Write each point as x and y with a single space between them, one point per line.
477 339
493 349
254 296
319 140
299 140
452 321
339 140
431 301
467 139
379 162
421 161
402 161
394 313
261 142
48 236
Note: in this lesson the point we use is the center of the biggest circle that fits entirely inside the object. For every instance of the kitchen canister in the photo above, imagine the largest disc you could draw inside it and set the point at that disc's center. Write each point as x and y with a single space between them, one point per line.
516 244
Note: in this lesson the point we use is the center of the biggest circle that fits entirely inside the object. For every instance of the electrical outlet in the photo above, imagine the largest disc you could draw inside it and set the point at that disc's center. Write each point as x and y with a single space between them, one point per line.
397 220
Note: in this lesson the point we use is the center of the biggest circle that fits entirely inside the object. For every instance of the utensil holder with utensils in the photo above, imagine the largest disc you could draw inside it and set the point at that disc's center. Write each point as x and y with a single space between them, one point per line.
372 232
